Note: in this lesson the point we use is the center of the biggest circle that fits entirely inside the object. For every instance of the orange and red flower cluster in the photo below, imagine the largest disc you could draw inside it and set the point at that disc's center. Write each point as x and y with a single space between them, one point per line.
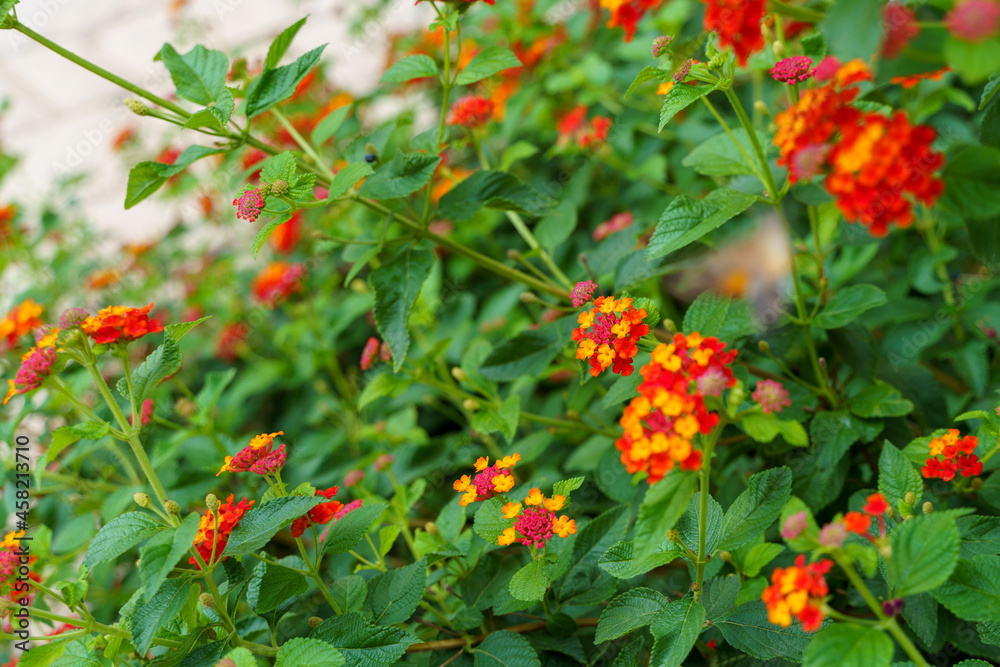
13 585
120 323
257 457
573 128
660 423
489 480
321 514
36 365
21 319
876 167
797 591
209 537
537 521
737 22
278 281
628 13
471 111
956 457
609 334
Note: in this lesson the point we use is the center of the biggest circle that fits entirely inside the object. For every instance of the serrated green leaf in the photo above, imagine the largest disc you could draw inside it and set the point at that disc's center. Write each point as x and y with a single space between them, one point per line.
119 535
215 116
505 649
972 182
328 127
676 629
281 43
275 586
759 556
566 486
925 552
149 617
261 522
278 84
146 178
162 362
492 189
156 564
645 75
396 285
624 389
679 98
686 220
747 629
526 354
198 75
620 563
756 508
848 645
897 476
486 63
880 400
720 595
361 643
411 67
178 330
764 427
405 174
847 304
268 229
489 521
503 419
348 531
347 177
720 156
530 582
662 506
65 436
972 592
628 612
304 652
393 596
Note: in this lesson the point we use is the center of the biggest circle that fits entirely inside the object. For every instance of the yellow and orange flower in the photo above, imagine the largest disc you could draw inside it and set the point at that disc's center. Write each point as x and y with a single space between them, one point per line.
628 13
36 365
489 480
956 457
535 522
609 334
209 537
120 323
22 319
797 592
278 281
257 457
660 423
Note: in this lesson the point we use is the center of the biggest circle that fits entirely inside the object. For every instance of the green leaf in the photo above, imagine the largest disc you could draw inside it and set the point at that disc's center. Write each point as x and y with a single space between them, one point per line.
853 29
624 389
756 508
278 84
347 177
46 654
645 75
766 427
980 535
972 592
526 354
275 586
73 592
157 561
847 304
328 127
707 314
411 67
361 643
619 562
686 220
259 525
628 612
281 43
662 506
880 400
975 61
405 174
848 645
216 115
146 178
759 556
199 75
492 189
149 617
530 582
503 419
348 531
303 652
897 476
720 595
486 63
719 155
162 362
566 486
678 99
349 592
268 229
382 385
972 182
65 436
180 329
119 535
557 225
505 649
676 629
489 521
747 629
924 553
393 596
396 285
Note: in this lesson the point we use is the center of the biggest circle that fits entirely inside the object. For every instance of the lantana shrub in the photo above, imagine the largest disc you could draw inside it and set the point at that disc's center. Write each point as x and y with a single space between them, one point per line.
641 332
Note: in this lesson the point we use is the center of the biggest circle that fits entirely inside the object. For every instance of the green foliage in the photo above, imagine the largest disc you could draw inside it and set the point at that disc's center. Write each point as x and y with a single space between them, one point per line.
491 189
276 84
675 630
119 535
397 285
347 532
259 524
393 596
146 178
409 68
687 220
925 552
303 652
489 61
756 508
846 644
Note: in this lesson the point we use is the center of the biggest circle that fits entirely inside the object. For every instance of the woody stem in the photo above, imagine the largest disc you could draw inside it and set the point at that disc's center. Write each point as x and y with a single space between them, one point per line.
708 448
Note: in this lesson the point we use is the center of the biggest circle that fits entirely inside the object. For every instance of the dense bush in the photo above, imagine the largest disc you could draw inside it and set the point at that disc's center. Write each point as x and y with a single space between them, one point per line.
526 372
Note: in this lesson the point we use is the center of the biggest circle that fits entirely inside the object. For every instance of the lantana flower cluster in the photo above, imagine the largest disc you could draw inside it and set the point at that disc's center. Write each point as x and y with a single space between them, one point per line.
258 457
876 165
535 520
36 365
951 454
22 319
659 424
120 323
609 333
573 128
213 533
14 587
798 592
489 480
628 13
737 23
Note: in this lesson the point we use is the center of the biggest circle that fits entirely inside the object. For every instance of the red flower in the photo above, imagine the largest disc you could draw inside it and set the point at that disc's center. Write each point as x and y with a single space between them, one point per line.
876 505
471 111
278 281
120 323
797 591
320 514
207 536
957 457
737 22
628 13
900 24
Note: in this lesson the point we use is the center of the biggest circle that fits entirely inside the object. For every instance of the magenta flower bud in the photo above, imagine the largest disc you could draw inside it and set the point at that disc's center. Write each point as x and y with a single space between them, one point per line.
354 477
583 292
795 525
833 535
795 69
772 396
661 44
72 318
369 353
973 20
384 461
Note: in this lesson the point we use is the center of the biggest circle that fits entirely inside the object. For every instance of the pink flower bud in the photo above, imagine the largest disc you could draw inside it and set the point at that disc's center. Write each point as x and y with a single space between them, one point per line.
795 525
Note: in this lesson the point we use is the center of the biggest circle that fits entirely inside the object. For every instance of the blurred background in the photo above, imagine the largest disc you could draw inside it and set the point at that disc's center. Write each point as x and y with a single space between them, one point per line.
62 122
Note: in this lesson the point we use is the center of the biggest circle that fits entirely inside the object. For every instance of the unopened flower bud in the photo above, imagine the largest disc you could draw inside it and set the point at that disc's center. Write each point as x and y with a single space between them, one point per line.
764 346
359 286
207 600
354 478
778 48
822 362
910 498
459 374
928 507
833 535
513 254
674 535
142 500
890 511
470 404
314 621
885 550
670 326
212 502
185 407
136 107
384 461
761 107
431 528
279 187
976 484
172 507
795 525
528 297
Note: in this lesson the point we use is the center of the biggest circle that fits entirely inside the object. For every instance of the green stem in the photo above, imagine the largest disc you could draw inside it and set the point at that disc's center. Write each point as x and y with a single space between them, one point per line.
796 12
890 624
739 146
303 144
445 98
99 71
314 574
708 448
